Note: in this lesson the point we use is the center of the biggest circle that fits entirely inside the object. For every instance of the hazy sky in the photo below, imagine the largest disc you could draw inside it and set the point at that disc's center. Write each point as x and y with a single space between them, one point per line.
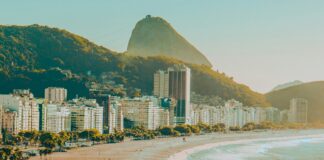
260 43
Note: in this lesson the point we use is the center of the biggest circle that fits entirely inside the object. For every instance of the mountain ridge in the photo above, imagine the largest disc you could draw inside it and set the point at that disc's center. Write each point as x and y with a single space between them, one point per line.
312 91
287 85
37 56
154 36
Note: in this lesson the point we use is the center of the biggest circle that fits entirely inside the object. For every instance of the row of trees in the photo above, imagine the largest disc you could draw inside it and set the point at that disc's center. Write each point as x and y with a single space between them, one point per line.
141 133
50 142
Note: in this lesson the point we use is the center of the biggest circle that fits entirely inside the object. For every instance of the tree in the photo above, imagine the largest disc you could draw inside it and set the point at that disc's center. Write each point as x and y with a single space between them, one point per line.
265 125
4 135
49 140
17 139
234 128
195 129
166 131
219 127
137 93
30 136
204 127
64 137
89 134
249 126
183 129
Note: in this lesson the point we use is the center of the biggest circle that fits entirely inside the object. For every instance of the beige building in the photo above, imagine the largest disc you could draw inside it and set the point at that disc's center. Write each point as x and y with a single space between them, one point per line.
161 84
115 115
9 121
55 94
298 110
164 116
86 114
175 83
23 103
142 111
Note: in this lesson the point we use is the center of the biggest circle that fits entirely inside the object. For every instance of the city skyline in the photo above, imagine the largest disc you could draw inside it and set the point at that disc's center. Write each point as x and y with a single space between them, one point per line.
260 43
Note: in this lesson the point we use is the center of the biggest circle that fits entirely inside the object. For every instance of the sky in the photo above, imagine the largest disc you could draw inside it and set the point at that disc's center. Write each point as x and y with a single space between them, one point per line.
261 43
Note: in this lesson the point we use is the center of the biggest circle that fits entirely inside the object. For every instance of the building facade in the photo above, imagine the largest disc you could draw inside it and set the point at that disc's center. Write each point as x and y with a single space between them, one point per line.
86 114
298 110
179 89
57 118
23 105
142 111
161 84
55 94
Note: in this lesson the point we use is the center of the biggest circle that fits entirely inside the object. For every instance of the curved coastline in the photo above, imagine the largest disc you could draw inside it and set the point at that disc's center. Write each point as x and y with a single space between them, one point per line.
173 147
183 155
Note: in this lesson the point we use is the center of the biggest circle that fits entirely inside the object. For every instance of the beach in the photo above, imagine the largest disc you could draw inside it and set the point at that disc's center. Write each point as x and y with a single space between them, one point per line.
168 148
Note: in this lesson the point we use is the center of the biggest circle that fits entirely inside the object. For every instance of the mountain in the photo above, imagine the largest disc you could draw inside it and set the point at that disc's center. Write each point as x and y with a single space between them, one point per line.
153 36
38 56
286 85
312 91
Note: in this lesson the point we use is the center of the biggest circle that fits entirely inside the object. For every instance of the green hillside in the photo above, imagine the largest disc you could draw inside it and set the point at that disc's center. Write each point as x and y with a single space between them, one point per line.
313 92
38 56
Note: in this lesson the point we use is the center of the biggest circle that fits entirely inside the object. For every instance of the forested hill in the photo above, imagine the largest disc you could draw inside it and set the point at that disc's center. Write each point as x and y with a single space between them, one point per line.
154 36
38 56
312 91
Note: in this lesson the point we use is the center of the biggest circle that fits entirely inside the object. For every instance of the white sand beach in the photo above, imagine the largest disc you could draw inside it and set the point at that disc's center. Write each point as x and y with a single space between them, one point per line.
167 148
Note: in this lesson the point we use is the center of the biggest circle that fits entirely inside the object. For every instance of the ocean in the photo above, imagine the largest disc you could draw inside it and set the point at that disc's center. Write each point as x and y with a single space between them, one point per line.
310 147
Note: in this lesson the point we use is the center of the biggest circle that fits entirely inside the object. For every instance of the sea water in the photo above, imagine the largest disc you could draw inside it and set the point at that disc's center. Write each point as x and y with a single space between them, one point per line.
301 148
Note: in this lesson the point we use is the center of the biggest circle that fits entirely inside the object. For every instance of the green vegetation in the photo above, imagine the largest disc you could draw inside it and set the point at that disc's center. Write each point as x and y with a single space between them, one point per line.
36 57
49 142
11 153
312 91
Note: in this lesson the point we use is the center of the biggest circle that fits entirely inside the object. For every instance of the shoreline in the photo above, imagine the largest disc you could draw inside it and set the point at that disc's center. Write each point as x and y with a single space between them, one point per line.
169 148
183 155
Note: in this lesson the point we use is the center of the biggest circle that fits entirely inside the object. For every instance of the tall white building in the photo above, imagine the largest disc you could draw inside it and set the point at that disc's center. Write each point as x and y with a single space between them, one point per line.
298 110
55 94
205 114
22 102
115 114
